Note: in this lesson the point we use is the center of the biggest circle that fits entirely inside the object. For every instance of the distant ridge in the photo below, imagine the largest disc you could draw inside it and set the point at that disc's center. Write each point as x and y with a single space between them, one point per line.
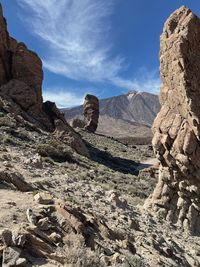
128 115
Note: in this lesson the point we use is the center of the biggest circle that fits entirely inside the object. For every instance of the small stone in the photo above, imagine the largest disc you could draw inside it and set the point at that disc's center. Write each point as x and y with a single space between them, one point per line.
21 262
7 237
44 224
55 237
19 240
31 216
116 258
106 260
10 256
44 198
108 252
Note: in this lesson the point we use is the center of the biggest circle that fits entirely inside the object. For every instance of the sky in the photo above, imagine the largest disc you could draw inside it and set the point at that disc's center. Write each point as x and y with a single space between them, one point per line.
101 47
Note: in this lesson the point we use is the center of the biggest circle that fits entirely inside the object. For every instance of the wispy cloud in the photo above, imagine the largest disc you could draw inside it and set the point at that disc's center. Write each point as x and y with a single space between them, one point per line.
77 34
144 81
62 98
78 38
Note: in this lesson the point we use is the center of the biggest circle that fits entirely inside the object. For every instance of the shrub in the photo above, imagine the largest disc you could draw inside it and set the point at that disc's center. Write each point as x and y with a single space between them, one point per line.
56 151
134 261
6 121
8 139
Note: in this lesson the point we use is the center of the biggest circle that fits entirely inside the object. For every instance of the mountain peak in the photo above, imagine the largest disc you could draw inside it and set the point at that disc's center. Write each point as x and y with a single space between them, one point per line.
132 92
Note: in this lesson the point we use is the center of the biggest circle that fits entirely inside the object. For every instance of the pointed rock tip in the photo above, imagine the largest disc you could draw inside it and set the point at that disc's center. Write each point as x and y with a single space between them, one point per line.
180 11
177 18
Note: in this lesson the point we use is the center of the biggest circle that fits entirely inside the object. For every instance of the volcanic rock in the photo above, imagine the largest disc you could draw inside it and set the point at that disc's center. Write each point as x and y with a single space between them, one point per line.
21 78
91 112
177 127
78 123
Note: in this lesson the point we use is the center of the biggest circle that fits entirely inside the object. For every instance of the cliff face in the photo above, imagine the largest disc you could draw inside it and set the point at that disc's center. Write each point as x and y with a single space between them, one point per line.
21 78
177 126
21 69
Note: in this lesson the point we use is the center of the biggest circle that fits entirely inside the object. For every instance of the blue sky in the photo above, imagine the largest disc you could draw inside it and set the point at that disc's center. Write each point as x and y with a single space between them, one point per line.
103 47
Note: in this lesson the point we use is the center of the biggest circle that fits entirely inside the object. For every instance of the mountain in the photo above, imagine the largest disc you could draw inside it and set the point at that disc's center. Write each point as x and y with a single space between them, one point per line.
125 116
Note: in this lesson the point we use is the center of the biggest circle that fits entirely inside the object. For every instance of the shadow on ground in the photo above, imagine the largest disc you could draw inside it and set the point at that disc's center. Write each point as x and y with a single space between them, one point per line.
122 165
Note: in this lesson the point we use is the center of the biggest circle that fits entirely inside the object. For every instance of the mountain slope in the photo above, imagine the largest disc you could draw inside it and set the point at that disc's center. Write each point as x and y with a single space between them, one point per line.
129 115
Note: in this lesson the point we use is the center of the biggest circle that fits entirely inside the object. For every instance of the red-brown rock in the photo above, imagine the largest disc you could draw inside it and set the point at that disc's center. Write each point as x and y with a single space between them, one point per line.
91 112
21 78
177 126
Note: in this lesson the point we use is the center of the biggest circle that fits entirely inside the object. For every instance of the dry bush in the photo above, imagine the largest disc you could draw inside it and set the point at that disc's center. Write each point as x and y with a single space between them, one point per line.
55 150
78 255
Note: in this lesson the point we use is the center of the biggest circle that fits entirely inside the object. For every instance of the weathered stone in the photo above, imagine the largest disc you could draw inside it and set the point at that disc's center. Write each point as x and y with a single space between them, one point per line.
21 93
31 216
91 112
10 256
44 224
6 236
63 131
177 126
21 78
27 67
44 198
15 179
54 237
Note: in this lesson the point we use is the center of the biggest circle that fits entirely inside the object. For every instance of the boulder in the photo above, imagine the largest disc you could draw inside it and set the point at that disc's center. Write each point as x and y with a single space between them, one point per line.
177 126
91 112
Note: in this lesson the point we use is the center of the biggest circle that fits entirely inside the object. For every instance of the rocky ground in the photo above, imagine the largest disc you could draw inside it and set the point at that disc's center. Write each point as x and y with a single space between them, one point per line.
58 208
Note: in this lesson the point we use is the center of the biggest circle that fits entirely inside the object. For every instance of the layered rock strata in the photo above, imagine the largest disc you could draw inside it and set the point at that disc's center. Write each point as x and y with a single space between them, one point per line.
91 112
176 129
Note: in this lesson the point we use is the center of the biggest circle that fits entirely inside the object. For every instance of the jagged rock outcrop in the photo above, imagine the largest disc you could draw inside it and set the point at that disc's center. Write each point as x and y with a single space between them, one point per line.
21 78
91 112
63 130
176 129
17 63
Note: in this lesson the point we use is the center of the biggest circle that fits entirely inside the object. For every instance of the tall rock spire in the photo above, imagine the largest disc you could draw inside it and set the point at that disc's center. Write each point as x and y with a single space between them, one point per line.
176 128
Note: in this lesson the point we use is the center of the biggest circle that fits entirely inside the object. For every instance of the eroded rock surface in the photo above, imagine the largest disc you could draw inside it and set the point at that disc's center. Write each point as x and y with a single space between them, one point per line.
177 126
91 112
21 78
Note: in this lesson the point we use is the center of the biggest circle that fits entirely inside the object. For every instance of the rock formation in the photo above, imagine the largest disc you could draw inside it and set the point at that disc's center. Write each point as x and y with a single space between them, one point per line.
78 123
91 112
21 78
176 129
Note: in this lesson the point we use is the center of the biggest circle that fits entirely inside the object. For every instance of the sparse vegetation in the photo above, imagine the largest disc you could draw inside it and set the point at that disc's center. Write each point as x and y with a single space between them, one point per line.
55 150
134 261
78 255
6 120
8 139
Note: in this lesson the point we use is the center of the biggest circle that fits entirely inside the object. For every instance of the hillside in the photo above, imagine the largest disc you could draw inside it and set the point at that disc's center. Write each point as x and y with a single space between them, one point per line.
82 199
123 116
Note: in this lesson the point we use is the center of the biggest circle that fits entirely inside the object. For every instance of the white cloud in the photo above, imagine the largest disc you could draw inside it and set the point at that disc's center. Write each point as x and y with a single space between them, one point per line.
77 35
78 40
143 81
62 98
